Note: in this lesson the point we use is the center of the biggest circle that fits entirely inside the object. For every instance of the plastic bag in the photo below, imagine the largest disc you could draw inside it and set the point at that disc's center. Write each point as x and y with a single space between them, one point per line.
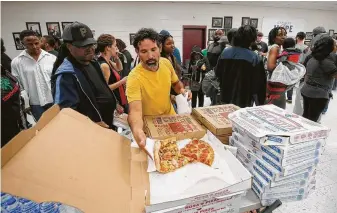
287 73
183 105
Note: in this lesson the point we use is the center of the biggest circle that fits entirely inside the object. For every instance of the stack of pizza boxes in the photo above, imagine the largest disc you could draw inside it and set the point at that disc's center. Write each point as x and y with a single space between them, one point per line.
280 149
215 119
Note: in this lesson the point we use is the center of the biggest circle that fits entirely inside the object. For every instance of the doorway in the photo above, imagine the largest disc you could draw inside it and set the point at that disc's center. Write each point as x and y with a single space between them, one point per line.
192 35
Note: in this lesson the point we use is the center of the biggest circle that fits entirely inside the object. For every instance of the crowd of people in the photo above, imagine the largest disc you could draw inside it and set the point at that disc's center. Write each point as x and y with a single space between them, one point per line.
99 78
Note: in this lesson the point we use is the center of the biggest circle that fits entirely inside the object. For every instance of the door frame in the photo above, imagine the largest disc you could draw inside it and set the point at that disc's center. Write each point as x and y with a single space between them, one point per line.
203 27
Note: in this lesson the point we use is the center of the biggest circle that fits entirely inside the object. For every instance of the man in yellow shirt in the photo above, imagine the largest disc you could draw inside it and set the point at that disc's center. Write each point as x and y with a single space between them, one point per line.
149 83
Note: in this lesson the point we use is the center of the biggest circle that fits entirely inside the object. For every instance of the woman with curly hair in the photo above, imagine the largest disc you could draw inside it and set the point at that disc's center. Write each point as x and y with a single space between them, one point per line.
106 45
275 92
321 71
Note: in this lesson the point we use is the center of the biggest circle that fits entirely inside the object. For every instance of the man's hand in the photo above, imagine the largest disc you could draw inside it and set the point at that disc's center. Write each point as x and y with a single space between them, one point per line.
183 92
140 138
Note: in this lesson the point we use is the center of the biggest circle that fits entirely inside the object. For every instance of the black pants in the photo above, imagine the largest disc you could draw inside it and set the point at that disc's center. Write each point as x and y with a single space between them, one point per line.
200 95
313 107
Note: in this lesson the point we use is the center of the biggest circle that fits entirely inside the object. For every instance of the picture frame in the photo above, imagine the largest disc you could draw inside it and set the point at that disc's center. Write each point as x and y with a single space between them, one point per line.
35 26
17 41
309 35
254 22
211 32
53 29
132 38
335 35
64 24
228 22
217 22
245 21
331 33
307 42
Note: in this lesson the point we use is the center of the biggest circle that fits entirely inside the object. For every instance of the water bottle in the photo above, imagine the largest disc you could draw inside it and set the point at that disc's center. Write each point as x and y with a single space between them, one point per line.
28 206
68 209
10 203
49 207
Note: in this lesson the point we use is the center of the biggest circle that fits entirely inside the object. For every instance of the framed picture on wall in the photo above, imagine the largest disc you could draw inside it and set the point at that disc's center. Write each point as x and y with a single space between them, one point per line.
228 22
35 26
245 21
64 24
331 32
17 41
254 22
308 35
211 32
217 22
307 42
53 29
335 35
132 38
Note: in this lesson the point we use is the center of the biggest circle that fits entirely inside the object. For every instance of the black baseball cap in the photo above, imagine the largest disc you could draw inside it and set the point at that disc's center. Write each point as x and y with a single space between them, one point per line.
78 34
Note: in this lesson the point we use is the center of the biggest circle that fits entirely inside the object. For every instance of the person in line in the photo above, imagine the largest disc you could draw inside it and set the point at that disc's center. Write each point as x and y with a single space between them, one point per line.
78 80
241 72
262 47
167 50
48 44
176 52
215 49
275 92
58 43
149 83
125 57
5 59
321 71
13 118
198 68
33 69
106 45
230 36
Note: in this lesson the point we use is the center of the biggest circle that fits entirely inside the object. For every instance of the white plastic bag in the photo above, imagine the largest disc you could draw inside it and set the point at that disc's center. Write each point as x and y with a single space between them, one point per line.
183 105
298 107
282 74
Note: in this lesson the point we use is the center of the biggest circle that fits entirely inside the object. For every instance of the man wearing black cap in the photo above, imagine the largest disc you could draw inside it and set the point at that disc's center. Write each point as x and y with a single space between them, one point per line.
262 47
79 81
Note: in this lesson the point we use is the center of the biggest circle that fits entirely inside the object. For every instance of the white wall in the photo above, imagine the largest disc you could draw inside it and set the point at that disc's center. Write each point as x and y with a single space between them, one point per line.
128 17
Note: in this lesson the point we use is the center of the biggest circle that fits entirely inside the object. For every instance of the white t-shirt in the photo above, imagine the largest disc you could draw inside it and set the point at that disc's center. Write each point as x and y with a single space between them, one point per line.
34 76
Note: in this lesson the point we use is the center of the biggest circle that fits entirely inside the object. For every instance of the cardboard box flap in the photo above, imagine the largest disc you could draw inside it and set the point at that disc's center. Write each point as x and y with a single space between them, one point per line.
215 118
73 161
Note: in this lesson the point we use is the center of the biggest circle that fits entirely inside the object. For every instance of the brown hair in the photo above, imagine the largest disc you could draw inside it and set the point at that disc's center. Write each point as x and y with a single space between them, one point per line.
104 40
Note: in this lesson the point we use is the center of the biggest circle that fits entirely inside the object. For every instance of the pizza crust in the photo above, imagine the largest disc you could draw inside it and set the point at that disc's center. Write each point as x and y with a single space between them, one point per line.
157 146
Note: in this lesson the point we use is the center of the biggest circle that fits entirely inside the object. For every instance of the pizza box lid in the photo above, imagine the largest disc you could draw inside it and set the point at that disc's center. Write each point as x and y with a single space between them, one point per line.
215 118
67 158
179 126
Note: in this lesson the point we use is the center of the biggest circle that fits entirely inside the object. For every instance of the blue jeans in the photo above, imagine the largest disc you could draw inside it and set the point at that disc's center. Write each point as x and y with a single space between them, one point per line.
38 110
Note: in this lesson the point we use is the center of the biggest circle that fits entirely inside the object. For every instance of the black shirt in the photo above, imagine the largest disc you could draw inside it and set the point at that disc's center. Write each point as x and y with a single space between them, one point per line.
54 52
104 97
262 47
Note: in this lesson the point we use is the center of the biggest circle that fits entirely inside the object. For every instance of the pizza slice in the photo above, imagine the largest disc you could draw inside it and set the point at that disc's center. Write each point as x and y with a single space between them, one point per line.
167 157
200 151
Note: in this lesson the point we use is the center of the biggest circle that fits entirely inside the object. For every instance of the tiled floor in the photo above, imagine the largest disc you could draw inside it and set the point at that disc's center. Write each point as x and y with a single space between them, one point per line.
324 198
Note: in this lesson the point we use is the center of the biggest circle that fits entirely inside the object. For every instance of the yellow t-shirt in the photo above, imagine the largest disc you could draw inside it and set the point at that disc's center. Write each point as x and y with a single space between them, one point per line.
152 88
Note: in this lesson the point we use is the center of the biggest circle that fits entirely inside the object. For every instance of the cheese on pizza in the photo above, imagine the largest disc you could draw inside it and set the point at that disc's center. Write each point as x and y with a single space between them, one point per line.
200 151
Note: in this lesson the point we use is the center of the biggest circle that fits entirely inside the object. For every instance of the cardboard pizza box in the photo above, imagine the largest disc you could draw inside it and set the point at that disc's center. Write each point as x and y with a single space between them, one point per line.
215 118
179 126
67 158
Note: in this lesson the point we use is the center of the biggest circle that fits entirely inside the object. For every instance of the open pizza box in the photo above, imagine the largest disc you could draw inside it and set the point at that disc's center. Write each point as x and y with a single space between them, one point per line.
179 126
215 119
69 159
